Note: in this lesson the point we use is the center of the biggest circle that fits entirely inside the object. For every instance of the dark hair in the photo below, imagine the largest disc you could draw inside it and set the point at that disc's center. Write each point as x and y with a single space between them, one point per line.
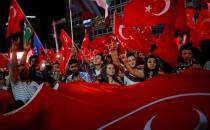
73 61
147 70
104 78
130 54
185 47
100 54
32 57
48 67
2 75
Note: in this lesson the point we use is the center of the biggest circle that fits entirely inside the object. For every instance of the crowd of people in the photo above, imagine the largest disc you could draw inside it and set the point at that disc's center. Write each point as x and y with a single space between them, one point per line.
125 69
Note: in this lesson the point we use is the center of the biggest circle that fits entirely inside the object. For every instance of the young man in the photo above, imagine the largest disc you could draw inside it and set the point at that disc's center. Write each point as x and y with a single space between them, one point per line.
186 59
96 71
76 74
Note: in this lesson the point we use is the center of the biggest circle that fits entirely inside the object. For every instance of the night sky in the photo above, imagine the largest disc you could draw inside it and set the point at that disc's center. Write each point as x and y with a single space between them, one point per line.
44 10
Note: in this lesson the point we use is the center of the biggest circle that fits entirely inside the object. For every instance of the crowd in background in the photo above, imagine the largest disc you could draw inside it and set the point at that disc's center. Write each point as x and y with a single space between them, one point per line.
127 68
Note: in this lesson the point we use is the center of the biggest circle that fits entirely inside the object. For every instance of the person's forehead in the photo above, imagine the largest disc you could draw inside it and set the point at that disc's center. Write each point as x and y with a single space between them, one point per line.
186 51
97 56
74 64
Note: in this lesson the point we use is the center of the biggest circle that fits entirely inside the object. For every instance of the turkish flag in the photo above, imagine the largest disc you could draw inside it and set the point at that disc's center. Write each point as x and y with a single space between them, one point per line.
6 101
3 61
167 49
180 16
85 46
100 44
190 18
51 55
202 30
148 12
139 38
15 16
66 40
86 40
166 102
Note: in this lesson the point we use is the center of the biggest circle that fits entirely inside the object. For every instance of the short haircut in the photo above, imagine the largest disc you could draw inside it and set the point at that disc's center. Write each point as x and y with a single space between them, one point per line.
100 54
185 47
32 57
73 61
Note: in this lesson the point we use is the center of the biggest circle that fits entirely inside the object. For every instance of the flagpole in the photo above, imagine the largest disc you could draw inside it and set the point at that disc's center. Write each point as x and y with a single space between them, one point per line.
71 23
55 36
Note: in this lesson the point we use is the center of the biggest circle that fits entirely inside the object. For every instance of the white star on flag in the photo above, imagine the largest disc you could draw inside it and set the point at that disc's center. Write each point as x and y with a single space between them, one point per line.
148 8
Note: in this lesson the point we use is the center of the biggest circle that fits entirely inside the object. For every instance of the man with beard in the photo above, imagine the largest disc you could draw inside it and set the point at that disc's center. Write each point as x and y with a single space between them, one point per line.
76 74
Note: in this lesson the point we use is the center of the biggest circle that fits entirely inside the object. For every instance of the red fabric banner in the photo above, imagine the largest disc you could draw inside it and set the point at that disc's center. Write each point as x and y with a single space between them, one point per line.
167 49
6 102
148 12
180 16
66 40
15 16
166 102
139 38
99 44
85 46
202 30
3 61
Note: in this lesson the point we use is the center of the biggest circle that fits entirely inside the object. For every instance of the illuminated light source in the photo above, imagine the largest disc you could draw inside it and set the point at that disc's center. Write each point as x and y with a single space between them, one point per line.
31 17
43 65
58 55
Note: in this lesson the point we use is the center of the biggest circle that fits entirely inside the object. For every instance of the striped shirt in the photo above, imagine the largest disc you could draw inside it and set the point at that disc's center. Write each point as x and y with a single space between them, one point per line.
23 91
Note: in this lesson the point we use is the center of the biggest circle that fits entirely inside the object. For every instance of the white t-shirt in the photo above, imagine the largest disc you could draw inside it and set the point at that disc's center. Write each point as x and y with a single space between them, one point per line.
23 91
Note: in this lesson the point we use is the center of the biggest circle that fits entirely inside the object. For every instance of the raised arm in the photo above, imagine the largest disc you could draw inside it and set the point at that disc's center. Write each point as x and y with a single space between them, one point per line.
27 47
13 69
134 71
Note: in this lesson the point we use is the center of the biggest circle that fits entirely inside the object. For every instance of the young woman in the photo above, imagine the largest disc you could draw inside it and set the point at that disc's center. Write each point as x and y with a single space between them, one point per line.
109 75
152 67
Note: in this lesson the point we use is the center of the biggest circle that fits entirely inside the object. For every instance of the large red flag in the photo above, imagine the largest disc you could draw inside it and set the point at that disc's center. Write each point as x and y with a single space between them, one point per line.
15 16
85 46
66 40
99 44
167 49
3 61
202 30
180 16
148 12
190 18
139 38
67 44
166 102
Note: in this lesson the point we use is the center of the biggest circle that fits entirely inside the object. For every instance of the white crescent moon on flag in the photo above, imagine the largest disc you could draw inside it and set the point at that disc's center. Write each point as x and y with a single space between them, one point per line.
166 8
65 39
14 11
205 20
149 124
121 33
203 121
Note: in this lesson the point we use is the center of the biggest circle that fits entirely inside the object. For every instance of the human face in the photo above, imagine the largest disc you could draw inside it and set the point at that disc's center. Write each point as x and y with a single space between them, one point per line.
110 70
187 55
141 55
151 63
132 61
56 67
97 60
74 68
